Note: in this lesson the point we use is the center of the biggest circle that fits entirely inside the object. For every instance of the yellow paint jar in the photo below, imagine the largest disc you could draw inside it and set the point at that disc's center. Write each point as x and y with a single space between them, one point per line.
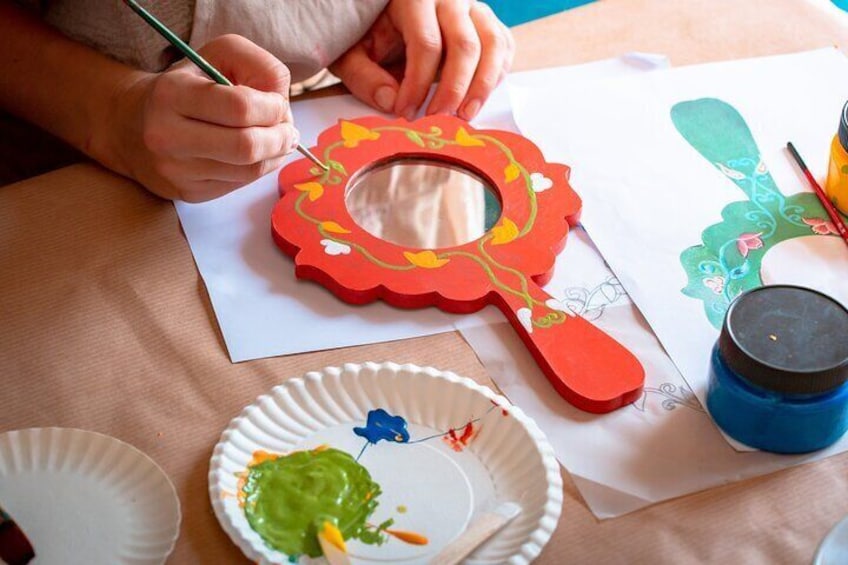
836 185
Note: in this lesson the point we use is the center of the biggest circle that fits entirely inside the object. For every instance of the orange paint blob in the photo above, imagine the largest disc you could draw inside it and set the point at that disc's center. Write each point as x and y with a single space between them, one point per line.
408 537
260 456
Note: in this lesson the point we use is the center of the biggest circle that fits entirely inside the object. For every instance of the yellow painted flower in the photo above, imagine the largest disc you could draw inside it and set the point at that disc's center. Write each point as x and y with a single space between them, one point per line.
333 227
426 259
353 133
512 172
464 138
505 232
314 189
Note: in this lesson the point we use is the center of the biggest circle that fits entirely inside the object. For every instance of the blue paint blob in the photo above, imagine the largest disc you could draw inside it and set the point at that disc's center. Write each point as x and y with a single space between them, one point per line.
843 4
383 426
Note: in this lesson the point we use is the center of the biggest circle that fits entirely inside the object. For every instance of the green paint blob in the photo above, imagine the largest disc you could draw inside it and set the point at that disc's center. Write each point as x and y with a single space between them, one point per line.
287 499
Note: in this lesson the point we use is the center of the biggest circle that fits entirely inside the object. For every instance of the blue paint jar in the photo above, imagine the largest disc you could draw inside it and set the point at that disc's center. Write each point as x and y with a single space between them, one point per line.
779 369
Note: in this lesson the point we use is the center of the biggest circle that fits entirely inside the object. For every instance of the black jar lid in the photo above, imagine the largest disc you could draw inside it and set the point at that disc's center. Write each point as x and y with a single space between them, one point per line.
843 128
786 339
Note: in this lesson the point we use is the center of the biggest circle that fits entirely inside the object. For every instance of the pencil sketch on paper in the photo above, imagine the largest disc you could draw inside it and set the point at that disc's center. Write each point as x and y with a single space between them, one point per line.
729 260
672 396
591 303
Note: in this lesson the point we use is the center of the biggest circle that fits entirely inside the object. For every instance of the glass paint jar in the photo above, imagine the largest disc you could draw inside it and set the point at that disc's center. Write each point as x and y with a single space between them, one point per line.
836 184
779 369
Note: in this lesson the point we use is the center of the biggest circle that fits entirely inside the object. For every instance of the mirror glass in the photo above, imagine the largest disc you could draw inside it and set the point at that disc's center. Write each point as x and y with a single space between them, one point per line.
424 203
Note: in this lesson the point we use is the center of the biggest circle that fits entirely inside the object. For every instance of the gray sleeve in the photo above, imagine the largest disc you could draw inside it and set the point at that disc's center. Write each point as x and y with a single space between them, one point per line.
113 29
307 35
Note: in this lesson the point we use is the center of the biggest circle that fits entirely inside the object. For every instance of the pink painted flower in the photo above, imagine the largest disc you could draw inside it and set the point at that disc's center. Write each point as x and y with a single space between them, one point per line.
715 284
820 226
747 242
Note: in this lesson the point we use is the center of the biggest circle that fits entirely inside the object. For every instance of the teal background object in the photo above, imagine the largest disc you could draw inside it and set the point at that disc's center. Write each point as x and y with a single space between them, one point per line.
514 12
843 4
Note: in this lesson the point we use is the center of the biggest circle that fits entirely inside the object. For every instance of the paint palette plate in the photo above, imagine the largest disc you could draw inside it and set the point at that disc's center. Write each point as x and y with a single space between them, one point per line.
833 549
439 450
87 498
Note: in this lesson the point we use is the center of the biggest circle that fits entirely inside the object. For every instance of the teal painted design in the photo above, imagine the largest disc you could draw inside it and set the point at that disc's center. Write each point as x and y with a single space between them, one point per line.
842 4
729 260
514 12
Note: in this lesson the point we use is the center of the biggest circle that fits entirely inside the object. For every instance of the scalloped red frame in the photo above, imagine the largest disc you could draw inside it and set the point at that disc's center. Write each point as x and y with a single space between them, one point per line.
505 267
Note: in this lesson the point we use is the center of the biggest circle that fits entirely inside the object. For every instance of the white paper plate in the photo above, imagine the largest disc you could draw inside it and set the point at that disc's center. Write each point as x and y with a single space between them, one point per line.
428 487
833 549
87 498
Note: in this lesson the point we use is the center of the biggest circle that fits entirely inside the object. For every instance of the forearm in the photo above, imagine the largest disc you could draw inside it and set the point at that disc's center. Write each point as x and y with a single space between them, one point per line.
62 86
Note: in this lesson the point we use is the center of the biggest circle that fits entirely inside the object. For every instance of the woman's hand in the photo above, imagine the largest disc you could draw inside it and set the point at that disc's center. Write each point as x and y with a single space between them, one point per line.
463 38
186 137
178 133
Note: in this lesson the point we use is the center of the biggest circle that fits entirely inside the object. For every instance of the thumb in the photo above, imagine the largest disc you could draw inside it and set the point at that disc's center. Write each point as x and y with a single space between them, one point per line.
366 80
246 63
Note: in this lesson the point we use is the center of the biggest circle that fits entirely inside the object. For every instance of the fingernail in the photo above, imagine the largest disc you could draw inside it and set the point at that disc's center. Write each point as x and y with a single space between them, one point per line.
409 113
471 108
385 98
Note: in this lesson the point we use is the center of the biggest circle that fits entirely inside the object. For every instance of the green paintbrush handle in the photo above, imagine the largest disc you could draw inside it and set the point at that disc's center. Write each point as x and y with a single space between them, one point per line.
174 40
204 65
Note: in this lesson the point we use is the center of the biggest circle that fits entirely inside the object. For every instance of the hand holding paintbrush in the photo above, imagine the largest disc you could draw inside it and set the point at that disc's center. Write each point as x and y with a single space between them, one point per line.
177 133
193 139
202 63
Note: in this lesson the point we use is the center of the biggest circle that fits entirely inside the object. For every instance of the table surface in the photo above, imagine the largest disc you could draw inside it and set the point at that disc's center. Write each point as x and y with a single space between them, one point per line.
106 325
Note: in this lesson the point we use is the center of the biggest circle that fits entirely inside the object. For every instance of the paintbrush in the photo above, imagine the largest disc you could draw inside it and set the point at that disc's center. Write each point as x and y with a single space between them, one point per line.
825 201
204 65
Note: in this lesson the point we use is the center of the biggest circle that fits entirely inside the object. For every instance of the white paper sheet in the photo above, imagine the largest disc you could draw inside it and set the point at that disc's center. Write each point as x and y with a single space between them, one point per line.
649 194
262 310
663 446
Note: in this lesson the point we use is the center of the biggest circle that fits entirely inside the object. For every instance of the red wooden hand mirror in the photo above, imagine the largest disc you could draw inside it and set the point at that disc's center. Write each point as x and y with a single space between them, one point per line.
433 212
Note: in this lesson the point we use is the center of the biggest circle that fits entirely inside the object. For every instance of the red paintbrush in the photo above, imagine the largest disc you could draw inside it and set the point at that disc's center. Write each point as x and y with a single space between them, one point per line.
828 206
